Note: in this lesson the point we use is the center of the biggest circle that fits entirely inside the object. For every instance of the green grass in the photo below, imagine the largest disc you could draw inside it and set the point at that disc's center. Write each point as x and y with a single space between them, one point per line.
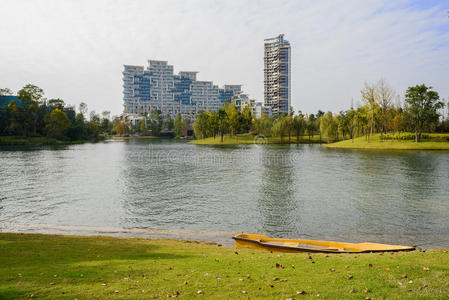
436 142
69 267
251 139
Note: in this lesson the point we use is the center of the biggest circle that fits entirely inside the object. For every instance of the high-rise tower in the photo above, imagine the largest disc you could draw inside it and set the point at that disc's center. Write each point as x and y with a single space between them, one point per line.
277 78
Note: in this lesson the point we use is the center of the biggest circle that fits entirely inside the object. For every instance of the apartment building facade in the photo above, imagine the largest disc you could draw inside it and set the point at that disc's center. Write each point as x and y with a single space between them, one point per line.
277 74
158 88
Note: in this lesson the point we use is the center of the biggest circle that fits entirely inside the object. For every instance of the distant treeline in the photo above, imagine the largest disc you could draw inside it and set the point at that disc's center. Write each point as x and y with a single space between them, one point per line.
379 111
33 115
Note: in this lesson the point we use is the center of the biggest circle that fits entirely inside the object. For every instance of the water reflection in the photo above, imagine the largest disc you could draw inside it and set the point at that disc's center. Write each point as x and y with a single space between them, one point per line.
276 201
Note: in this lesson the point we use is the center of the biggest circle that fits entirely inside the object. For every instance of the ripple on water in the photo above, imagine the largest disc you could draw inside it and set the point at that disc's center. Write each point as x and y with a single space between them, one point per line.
287 191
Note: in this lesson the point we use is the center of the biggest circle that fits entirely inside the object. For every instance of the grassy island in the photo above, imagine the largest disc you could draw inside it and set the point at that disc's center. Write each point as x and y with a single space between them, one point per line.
429 142
254 139
69 267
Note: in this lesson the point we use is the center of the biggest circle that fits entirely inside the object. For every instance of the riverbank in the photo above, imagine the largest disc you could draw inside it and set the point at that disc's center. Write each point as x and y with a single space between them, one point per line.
116 137
39 141
68 267
251 139
433 142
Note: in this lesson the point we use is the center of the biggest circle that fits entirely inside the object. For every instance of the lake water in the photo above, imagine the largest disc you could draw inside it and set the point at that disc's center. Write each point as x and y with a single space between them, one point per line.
162 188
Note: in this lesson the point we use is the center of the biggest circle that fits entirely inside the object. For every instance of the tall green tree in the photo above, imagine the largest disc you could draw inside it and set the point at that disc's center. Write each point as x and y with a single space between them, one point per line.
57 123
311 125
329 126
233 119
280 127
200 126
299 126
262 125
423 105
178 125
370 96
6 92
223 122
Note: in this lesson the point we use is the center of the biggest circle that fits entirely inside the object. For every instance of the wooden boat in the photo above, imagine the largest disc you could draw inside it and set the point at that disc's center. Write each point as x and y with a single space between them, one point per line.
262 242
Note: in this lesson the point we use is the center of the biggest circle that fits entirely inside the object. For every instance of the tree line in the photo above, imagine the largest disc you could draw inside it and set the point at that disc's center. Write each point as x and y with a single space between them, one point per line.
33 115
379 111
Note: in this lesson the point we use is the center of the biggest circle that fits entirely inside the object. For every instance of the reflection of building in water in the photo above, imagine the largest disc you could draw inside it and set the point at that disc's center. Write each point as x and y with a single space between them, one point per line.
277 202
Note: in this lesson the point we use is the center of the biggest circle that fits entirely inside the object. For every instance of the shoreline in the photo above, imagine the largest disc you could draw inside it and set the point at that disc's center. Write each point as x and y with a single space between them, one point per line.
436 142
14 141
247 138
220 237
214 236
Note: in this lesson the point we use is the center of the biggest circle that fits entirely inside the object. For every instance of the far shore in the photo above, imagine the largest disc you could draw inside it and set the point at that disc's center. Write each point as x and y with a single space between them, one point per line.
437 142
257 139
41 141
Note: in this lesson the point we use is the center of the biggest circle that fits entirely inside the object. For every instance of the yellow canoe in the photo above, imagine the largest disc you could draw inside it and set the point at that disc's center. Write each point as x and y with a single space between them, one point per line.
262 242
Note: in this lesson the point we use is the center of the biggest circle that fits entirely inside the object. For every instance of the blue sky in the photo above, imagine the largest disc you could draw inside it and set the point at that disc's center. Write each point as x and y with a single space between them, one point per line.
76 49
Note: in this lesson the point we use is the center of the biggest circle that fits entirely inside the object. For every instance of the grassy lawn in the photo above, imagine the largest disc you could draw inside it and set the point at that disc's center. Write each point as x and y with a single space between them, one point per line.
436 142
251 139
69 267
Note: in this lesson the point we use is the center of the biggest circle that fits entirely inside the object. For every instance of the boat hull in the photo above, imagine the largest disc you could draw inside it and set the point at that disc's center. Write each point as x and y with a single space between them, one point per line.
262 242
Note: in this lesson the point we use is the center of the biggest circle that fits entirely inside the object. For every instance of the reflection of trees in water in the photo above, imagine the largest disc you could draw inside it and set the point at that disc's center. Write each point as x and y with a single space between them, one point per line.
420 186
276 200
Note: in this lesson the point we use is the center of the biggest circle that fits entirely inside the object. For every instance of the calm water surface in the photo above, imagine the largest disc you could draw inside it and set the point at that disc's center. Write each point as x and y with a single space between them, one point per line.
166 188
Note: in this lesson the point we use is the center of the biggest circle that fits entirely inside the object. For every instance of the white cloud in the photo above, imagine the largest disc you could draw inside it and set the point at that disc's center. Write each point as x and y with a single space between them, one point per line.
76 49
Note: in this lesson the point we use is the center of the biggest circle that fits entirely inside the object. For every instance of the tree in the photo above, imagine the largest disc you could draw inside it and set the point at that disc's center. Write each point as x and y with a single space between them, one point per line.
319 115
280 127
299 126
351 121
200 126
121 128
57 123
31 92
311 125
370 96
169 123
246 119
329 126
55 103
18 118
155 122
178 125
262 125
106 125
6 92
386 95
223 122
141 126
83 109
423 105
214 124
233 119
289 126
31 96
